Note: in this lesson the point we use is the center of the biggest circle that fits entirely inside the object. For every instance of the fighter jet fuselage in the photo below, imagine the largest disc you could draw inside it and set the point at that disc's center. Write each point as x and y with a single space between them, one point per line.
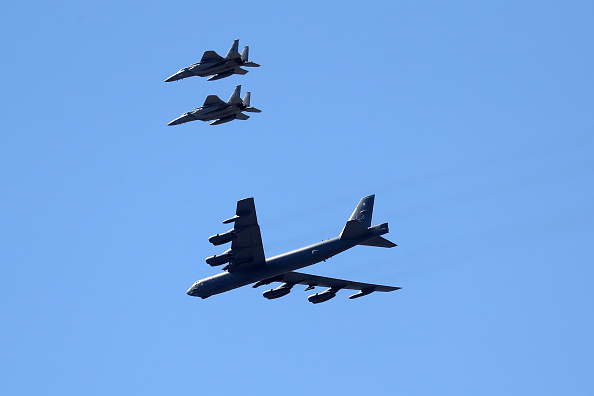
216 66
215 109
206 114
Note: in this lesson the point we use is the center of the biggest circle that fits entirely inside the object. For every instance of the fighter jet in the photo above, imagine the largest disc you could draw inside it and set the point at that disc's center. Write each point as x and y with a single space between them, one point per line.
215 109
247 264
212 64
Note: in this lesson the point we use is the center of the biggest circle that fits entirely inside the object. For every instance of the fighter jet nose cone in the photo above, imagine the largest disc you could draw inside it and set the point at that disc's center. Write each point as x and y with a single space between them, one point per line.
178 120
182 119
180 75
175 77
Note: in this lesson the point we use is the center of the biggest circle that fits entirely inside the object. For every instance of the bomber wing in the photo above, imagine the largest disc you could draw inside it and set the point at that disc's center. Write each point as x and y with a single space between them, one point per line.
298 278
247 248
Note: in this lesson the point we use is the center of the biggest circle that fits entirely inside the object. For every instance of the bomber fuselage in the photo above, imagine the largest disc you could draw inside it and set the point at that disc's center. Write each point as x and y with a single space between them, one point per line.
277 265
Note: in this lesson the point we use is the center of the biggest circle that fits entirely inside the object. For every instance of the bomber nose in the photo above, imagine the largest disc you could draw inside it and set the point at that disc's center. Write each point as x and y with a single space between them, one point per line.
191 291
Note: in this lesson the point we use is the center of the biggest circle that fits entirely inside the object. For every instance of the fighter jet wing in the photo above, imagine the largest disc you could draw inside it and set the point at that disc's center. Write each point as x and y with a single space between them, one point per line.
210 56
247 248
213 100
298 278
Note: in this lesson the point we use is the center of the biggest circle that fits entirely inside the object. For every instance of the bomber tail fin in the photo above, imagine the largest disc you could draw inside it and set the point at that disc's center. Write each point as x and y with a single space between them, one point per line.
359 225
353 229
364 210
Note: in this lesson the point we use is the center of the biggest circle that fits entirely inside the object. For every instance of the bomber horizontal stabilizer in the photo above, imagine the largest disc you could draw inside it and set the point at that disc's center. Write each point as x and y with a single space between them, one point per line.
241 116
379 242
251 64
240 71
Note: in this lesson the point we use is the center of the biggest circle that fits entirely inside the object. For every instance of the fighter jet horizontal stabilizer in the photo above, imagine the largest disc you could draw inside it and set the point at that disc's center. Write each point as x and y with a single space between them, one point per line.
253 110
250 64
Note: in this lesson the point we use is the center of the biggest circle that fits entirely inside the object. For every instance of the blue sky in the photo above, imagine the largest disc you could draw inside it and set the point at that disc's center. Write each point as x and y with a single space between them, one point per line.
472 123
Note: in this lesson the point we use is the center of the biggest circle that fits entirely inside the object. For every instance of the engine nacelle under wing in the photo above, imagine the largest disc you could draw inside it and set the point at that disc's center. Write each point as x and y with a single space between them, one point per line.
225 237
220 259
321 297
276 293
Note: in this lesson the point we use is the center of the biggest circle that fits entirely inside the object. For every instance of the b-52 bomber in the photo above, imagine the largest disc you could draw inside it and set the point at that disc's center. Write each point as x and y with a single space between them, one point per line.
215 109
247 264
212 64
